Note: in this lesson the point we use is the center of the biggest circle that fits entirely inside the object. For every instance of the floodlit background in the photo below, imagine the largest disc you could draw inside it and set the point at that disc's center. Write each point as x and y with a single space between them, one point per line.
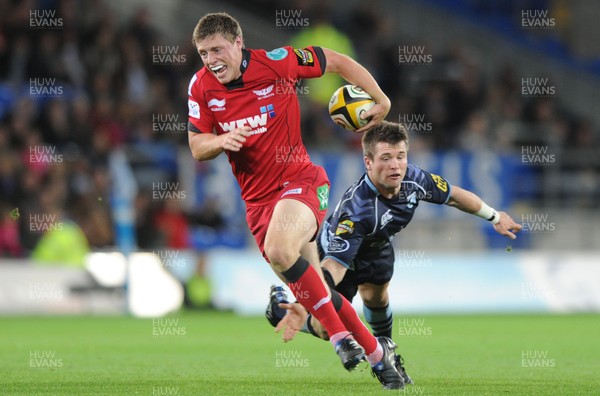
103 209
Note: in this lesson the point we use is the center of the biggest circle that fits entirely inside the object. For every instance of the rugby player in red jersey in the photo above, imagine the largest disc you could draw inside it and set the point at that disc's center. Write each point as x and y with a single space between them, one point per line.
243 102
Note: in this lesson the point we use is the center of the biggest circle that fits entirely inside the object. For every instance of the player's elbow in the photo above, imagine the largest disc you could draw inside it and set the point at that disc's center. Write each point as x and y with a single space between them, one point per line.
197 152
452 202
200 155
200 148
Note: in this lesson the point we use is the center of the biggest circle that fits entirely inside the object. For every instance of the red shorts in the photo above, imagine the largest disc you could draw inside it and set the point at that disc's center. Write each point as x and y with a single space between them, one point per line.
310 187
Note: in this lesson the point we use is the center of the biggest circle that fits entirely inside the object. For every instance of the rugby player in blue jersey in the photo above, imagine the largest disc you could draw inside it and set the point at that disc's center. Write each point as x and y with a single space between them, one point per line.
355 240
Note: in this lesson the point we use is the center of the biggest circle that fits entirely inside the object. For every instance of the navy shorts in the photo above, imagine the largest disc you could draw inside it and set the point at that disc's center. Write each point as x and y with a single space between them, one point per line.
378 269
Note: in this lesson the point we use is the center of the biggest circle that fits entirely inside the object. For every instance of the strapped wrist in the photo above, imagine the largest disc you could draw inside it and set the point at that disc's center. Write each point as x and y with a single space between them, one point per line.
488 213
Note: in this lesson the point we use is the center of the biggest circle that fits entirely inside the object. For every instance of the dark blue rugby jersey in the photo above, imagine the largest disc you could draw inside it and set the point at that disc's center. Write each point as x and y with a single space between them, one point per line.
364 222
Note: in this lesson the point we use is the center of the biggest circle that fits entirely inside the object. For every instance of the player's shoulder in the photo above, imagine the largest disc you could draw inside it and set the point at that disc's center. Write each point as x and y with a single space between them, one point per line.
415 174
412 171
303 56
359 197
415 177
199 81
273 55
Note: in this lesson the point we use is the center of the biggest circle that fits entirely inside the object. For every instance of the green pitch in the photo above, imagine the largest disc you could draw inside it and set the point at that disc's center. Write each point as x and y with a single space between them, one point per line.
222 354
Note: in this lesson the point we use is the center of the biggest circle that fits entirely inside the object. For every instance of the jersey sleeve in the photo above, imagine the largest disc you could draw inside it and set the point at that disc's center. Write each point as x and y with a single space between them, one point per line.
437 189
308 62
200 119
294 63
344 239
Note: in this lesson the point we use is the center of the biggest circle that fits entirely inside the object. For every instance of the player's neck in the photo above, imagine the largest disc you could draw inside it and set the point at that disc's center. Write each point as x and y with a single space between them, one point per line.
386 192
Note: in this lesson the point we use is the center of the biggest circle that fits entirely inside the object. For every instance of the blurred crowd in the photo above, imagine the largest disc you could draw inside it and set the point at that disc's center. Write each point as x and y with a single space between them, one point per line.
77 83
466 109
449 103
80 83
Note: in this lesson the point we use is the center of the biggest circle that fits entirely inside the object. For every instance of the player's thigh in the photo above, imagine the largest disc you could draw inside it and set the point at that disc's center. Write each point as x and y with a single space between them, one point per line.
374 296
291 227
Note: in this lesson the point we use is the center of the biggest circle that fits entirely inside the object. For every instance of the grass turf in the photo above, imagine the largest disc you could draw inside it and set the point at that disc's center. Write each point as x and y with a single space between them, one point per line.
209 353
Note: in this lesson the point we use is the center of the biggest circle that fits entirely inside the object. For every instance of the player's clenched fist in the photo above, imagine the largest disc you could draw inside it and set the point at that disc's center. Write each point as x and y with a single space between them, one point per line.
234 140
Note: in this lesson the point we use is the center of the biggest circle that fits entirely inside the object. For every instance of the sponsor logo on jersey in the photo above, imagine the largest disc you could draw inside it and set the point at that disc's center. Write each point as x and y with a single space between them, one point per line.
265 93
337 245
216 104
439 182
323 195
277 54
345 227
386 218
258 122
305 57
412 200
194 109
292 191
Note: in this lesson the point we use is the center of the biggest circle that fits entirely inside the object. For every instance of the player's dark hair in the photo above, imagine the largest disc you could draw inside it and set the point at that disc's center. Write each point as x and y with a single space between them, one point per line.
386 132
217 23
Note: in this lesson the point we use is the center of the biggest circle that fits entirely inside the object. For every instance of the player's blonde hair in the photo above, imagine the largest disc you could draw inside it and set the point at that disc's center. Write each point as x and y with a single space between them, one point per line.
217 23
386 132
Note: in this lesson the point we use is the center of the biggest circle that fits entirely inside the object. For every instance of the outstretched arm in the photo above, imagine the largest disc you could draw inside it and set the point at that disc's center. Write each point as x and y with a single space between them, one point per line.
469 202
353 72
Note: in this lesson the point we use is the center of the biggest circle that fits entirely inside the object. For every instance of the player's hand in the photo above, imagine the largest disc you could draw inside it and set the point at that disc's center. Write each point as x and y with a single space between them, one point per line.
376 114
292 322
234 140
507 226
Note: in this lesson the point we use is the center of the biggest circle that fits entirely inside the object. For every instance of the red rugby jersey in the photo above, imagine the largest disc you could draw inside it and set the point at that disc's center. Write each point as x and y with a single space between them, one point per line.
264 98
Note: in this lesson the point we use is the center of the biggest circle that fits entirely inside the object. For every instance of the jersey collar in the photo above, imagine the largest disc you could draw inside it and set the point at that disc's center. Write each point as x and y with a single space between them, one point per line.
376 191
238 82
371 185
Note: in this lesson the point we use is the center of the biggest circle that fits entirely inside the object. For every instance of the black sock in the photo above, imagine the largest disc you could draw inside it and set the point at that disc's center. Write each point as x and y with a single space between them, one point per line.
380 320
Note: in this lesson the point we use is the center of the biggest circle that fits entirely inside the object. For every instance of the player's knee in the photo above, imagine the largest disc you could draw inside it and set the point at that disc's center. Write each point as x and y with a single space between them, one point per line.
374 296
375 300
280 257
